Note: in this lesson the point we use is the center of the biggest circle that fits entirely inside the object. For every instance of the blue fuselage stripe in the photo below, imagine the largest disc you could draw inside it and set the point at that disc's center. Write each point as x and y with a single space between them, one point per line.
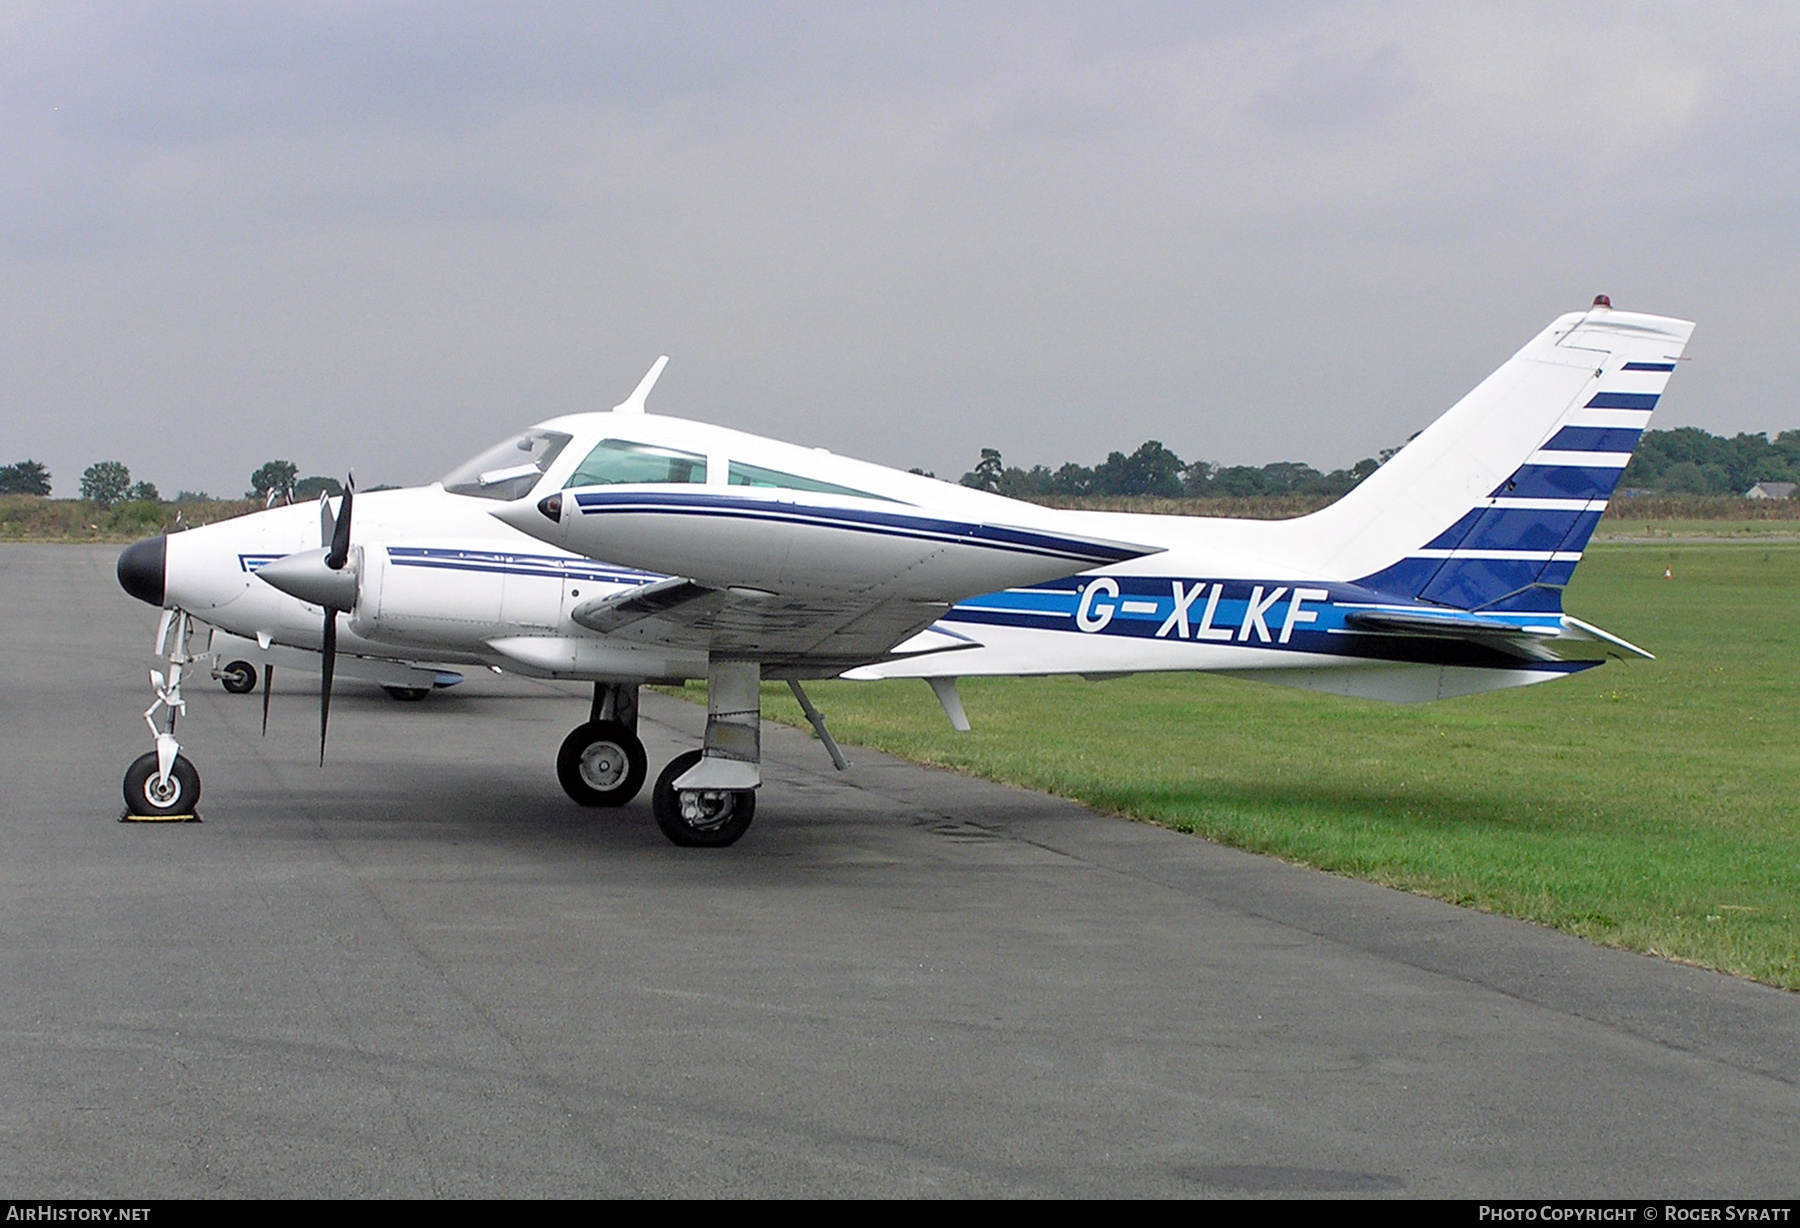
857 520
1243 614
548 566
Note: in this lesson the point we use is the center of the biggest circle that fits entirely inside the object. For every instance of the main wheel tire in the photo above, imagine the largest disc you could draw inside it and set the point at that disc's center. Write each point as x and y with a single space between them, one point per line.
143 795
407 694
601 763
239 677
699 818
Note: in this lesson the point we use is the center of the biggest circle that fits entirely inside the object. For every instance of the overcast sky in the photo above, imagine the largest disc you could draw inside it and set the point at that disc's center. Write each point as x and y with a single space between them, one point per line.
382 236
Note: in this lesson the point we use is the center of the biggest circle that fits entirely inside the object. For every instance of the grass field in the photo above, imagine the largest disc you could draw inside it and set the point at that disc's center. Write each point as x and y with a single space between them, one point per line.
1653 806
1711 530
30 518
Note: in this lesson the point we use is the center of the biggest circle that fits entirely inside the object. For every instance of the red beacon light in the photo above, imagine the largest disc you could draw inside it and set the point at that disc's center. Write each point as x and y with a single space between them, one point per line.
1603 300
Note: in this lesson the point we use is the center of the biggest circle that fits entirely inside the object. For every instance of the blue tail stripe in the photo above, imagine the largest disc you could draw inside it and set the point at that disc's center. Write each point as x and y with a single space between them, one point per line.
1557 572
1452 537
1560 482
1595 439
1405 578
1579 534
1537 599
1649 366
1624 400
1470 584
1477 583
1508 528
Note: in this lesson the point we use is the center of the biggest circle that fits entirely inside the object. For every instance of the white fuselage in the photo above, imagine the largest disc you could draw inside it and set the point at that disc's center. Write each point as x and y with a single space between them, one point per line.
1440 574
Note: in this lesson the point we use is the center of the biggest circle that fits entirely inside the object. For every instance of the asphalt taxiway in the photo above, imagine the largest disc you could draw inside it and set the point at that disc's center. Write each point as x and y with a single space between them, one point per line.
421 971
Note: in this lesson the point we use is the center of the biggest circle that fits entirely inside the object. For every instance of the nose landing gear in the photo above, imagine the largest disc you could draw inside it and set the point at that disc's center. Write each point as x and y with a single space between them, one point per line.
148 794
162 784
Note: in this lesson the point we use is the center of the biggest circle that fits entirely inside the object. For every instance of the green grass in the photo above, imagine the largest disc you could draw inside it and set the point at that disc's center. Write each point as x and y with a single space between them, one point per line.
33 518
1715 529
1653 806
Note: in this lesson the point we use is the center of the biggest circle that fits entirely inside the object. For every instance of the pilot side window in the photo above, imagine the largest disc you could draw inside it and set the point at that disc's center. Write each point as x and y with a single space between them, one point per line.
509 469
753 475
619 462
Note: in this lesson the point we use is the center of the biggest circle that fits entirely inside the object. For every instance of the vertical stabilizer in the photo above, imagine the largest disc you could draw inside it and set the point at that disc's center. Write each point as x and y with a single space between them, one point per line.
1492 505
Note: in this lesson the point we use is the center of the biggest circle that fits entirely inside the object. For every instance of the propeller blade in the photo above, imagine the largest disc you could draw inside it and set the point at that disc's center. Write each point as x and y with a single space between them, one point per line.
268 685
327 522
327 666
337 554
340 532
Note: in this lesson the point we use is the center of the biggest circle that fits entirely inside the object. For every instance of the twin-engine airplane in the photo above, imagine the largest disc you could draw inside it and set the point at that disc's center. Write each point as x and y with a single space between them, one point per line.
622 548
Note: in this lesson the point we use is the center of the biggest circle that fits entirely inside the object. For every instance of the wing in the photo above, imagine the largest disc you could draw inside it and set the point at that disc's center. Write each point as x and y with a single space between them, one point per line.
813 635
808 582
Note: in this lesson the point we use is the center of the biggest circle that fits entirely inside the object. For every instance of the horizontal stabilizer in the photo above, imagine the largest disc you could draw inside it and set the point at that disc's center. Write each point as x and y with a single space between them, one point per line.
1574 627
1565 639
1458 625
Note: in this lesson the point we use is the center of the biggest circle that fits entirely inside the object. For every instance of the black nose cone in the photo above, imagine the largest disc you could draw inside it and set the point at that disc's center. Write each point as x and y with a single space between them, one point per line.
141 569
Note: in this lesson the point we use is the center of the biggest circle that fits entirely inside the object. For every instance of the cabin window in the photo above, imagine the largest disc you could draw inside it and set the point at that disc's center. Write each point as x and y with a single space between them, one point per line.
619 462
509 469
753 475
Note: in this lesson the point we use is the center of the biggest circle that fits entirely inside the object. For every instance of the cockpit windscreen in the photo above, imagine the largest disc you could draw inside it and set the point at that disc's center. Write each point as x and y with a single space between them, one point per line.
509 469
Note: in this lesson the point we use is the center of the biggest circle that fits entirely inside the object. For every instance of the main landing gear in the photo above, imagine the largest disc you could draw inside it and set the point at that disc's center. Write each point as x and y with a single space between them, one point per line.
704 798
699 818
707 797
162 784
602 762
239 677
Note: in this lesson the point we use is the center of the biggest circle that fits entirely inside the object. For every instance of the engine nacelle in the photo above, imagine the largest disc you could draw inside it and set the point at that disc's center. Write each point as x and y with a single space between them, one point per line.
427 594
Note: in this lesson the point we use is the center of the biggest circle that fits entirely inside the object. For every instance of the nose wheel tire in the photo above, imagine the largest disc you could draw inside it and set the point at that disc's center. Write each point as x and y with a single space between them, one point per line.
145 795
239 677
601 763
699 818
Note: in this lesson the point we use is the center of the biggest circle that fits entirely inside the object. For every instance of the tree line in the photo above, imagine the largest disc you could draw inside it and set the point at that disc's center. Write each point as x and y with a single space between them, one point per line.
106 483
1156 471
1689 461
1686 460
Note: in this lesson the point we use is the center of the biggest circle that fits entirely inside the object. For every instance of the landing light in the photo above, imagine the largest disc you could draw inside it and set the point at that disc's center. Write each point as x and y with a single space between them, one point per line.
551 506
